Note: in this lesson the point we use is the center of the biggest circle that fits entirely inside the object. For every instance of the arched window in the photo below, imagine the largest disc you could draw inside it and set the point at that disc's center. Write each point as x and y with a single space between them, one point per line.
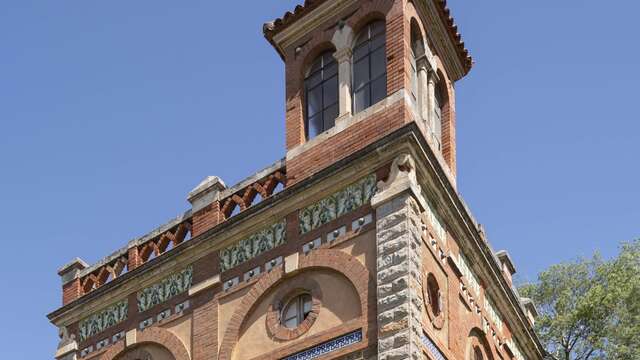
477 353
321 94
438 110
417 50
296 310
369 66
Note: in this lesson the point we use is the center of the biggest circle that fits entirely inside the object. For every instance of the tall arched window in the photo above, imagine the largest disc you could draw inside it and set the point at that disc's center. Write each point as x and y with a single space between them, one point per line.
417 50
369 66
438 107
321 94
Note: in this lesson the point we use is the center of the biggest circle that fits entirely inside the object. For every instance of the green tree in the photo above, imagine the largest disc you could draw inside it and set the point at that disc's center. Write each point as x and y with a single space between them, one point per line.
590 308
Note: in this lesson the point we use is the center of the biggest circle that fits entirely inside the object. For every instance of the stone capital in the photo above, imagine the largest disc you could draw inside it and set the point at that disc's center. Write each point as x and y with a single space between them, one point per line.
343 55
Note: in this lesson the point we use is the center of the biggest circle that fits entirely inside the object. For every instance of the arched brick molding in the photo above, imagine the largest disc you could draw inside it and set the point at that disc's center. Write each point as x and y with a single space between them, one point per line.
478 341
154 335
335 260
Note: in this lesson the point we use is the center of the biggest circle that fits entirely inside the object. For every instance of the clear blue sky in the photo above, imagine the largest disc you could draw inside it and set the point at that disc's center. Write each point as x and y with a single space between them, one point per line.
112 111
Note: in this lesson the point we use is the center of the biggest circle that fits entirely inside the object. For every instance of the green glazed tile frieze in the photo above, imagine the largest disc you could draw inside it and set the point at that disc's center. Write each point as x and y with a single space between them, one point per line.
166 289
103 320
256 244
342 202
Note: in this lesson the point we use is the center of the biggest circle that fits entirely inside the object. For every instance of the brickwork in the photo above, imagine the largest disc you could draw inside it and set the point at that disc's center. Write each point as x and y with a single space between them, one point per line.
401 275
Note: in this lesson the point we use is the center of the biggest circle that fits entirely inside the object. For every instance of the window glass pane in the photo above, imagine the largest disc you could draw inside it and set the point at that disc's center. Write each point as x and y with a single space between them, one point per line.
377 42
377 27
361 99
292 310
330 91
315 126
316 65
378 63
330 70
363 36
291 323
313 80
314 101
330 115
378 89
306 304
360 51
360 73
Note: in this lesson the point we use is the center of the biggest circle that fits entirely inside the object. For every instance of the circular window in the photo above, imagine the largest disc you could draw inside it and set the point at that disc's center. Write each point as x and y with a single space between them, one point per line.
433 292
434 301
296 311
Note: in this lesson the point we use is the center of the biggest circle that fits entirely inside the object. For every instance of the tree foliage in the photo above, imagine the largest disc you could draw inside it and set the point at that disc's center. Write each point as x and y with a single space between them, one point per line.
590 308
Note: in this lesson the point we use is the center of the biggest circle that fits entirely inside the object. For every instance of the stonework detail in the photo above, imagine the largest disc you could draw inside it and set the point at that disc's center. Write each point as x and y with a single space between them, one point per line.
166 289
103 320
400 302
256 244
399 281
342 202
517 353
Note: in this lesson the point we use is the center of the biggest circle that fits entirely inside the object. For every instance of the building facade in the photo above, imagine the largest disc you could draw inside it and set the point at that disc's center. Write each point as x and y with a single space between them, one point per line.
356 245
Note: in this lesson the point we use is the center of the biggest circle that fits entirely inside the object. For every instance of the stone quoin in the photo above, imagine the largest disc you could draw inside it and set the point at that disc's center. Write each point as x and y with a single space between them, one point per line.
355 245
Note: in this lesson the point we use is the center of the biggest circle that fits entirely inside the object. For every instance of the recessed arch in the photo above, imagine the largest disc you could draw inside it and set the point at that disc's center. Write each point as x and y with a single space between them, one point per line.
334 260
478 347
150 337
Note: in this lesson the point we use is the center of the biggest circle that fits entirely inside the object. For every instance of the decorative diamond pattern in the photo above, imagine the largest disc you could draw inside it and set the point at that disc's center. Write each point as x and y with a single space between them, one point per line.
329 346
256 244
103 320
166 289
338 204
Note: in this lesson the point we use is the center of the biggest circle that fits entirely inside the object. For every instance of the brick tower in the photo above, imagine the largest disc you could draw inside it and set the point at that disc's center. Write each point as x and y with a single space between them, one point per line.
356 245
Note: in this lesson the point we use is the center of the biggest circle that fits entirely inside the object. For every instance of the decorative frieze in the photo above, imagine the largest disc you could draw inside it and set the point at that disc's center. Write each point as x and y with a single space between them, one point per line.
342 202
469 275
166 289
256 244
517 353
103 320
434 219
330 346
493 313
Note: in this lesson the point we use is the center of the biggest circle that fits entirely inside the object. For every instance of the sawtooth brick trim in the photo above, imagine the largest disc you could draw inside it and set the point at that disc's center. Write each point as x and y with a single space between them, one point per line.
289 290
335 260
155 335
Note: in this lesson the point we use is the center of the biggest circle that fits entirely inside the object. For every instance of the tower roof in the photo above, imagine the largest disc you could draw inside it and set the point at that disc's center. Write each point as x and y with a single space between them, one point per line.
270 29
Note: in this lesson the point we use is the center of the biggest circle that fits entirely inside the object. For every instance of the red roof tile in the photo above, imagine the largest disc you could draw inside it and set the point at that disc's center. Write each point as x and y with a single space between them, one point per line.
274 27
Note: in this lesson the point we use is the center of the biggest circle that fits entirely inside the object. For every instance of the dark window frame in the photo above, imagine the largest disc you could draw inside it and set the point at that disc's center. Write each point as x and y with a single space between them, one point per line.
366 37
320 70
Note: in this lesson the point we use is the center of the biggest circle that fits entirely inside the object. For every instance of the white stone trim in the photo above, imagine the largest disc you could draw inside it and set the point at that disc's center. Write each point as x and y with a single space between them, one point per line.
201 286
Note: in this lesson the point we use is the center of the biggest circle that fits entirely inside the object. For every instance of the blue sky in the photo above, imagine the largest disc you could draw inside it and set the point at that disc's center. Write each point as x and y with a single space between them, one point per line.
112 111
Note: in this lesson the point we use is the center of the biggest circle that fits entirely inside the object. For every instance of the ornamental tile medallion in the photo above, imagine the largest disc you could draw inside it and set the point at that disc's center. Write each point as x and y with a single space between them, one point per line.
256 244
103 320
342 202
166 289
